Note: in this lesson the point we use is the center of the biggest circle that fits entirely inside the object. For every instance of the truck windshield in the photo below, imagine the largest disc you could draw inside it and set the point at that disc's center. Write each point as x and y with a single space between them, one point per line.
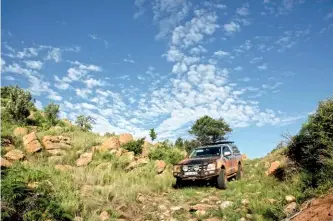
206 152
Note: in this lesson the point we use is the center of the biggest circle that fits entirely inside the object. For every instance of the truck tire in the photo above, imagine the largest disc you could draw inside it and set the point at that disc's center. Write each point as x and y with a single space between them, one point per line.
222 180
179 183
239 172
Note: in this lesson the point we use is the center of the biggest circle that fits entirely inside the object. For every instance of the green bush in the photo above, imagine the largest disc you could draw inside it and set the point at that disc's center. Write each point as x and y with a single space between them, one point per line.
135 146
312 147
20 202
167 153
51 113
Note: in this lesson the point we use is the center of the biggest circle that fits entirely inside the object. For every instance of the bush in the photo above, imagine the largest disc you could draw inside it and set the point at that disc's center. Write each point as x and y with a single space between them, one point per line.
51 113
312 147
169 154
135 146
20 202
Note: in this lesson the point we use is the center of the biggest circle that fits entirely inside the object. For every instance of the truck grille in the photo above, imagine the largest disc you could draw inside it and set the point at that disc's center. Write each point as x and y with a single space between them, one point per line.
191 167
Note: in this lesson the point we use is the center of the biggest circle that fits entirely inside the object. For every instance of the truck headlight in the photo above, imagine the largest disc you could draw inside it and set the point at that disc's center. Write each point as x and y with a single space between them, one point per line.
211 166
185 168
176 168
196 168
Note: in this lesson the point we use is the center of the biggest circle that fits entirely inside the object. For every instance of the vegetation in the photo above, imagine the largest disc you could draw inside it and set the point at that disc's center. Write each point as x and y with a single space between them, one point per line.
208 130
51 113
152 134
135 146
167 153
84 122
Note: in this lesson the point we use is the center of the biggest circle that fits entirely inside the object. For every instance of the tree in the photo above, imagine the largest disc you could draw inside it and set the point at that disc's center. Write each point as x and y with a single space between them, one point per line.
208 130
17 102
84 122
179 142
51 113
152 134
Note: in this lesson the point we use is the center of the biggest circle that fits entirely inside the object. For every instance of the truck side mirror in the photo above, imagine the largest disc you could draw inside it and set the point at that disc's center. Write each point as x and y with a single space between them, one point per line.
227 153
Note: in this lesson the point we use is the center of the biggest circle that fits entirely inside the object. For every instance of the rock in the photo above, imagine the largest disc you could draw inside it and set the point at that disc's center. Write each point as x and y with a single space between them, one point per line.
160 166
7 144
125 138
77 218
55 159
33 185
274 166
213 219
128 155
200 213
290 208
31 143
244 156
136 164
226 204
4 163
201 206
242 219
145 149
162 208
249 216
104 216
108 144
20 131
84 159
63 168
176 208
56 142
245 202
290 199
14 155
140 198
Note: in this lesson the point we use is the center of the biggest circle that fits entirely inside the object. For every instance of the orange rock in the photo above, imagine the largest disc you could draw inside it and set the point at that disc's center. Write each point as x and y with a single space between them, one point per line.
104 216
31 143
14 155
160 166
244 156
108 144
274 166
125 138
84 159
56 142
20 131
4 163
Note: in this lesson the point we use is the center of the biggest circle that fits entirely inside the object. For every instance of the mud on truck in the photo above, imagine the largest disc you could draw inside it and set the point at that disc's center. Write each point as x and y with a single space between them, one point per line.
214 163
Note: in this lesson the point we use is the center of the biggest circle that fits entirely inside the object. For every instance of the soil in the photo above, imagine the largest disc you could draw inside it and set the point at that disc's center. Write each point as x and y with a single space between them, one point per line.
320 209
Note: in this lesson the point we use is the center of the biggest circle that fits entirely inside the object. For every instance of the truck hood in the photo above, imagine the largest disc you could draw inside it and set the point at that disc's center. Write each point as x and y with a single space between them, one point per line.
198 160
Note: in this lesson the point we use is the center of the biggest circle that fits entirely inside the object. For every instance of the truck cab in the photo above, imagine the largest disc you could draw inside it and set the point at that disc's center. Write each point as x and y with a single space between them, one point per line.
214 162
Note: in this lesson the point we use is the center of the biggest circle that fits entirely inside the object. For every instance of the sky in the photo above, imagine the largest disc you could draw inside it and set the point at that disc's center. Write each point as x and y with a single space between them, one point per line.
262 65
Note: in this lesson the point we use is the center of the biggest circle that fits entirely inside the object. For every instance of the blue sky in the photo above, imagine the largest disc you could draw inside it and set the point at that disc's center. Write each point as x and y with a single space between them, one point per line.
134 65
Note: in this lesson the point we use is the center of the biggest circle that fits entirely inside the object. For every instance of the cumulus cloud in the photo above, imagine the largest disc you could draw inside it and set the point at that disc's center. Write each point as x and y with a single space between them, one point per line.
231 27
34 64
243 11
238 68
262 67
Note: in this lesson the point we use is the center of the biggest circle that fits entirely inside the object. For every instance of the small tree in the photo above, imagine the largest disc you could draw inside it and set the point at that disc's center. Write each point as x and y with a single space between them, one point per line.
84 122
208 129
17 102
152 134
179 142
51 113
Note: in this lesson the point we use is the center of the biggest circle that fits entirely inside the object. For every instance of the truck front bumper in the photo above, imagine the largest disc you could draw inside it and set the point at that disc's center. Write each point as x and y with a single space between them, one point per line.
201 175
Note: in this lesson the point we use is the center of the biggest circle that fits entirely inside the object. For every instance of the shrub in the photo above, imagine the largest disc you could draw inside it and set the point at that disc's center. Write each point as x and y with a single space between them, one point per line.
21 202
17 103
169 154
312 147
84 122
51 113
135 146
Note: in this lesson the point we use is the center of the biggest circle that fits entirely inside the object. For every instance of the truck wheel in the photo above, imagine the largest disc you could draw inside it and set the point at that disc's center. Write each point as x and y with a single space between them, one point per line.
239 172
222 180
179 183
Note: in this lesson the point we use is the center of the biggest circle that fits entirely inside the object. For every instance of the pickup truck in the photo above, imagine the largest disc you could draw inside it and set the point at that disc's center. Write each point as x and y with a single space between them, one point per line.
216 162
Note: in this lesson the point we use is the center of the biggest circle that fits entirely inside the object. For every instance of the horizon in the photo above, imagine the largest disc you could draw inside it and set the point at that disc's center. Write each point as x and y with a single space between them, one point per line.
263 66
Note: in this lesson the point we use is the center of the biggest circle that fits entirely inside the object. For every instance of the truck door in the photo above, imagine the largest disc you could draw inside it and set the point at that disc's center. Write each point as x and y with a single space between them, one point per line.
228 157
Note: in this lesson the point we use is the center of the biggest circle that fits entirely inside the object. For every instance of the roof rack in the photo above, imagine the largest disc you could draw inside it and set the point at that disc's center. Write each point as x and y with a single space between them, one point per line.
222 142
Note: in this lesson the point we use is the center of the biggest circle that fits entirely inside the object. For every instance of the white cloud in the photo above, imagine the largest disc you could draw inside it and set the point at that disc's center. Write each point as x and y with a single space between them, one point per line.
88 106
96 37
329 15
54 96
179 68
238 68
221 53
34 64
243 11
255 60
91 82
9 78
60 84
231 27
83 93
262 67
54 54
38 104
129 60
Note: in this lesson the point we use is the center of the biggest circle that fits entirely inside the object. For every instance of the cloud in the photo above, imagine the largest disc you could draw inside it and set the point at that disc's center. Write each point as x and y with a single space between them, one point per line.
96 37
9 78
60 84
262 67
221 53
38 105
256 60
54 96
54 54
243 11
328 16
238 68
83 93
272 87
91 82
129 60
34 64
231 27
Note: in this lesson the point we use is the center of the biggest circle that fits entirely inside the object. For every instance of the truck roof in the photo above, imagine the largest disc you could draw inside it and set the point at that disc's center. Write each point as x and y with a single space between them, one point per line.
217 144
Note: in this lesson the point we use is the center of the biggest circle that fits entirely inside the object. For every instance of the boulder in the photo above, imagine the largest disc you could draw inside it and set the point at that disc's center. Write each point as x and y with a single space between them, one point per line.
63 168
125 138
145 149
104 216
160 166
77 218
84 159
290 199
128 155
14 155
20 131
136 164
109 144
56 142
274 166
245 202
7 144
4 163
242 219
226 204
290 208
31 143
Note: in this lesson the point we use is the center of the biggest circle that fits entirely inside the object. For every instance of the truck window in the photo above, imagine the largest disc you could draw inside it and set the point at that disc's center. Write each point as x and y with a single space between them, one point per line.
226 149
235 149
